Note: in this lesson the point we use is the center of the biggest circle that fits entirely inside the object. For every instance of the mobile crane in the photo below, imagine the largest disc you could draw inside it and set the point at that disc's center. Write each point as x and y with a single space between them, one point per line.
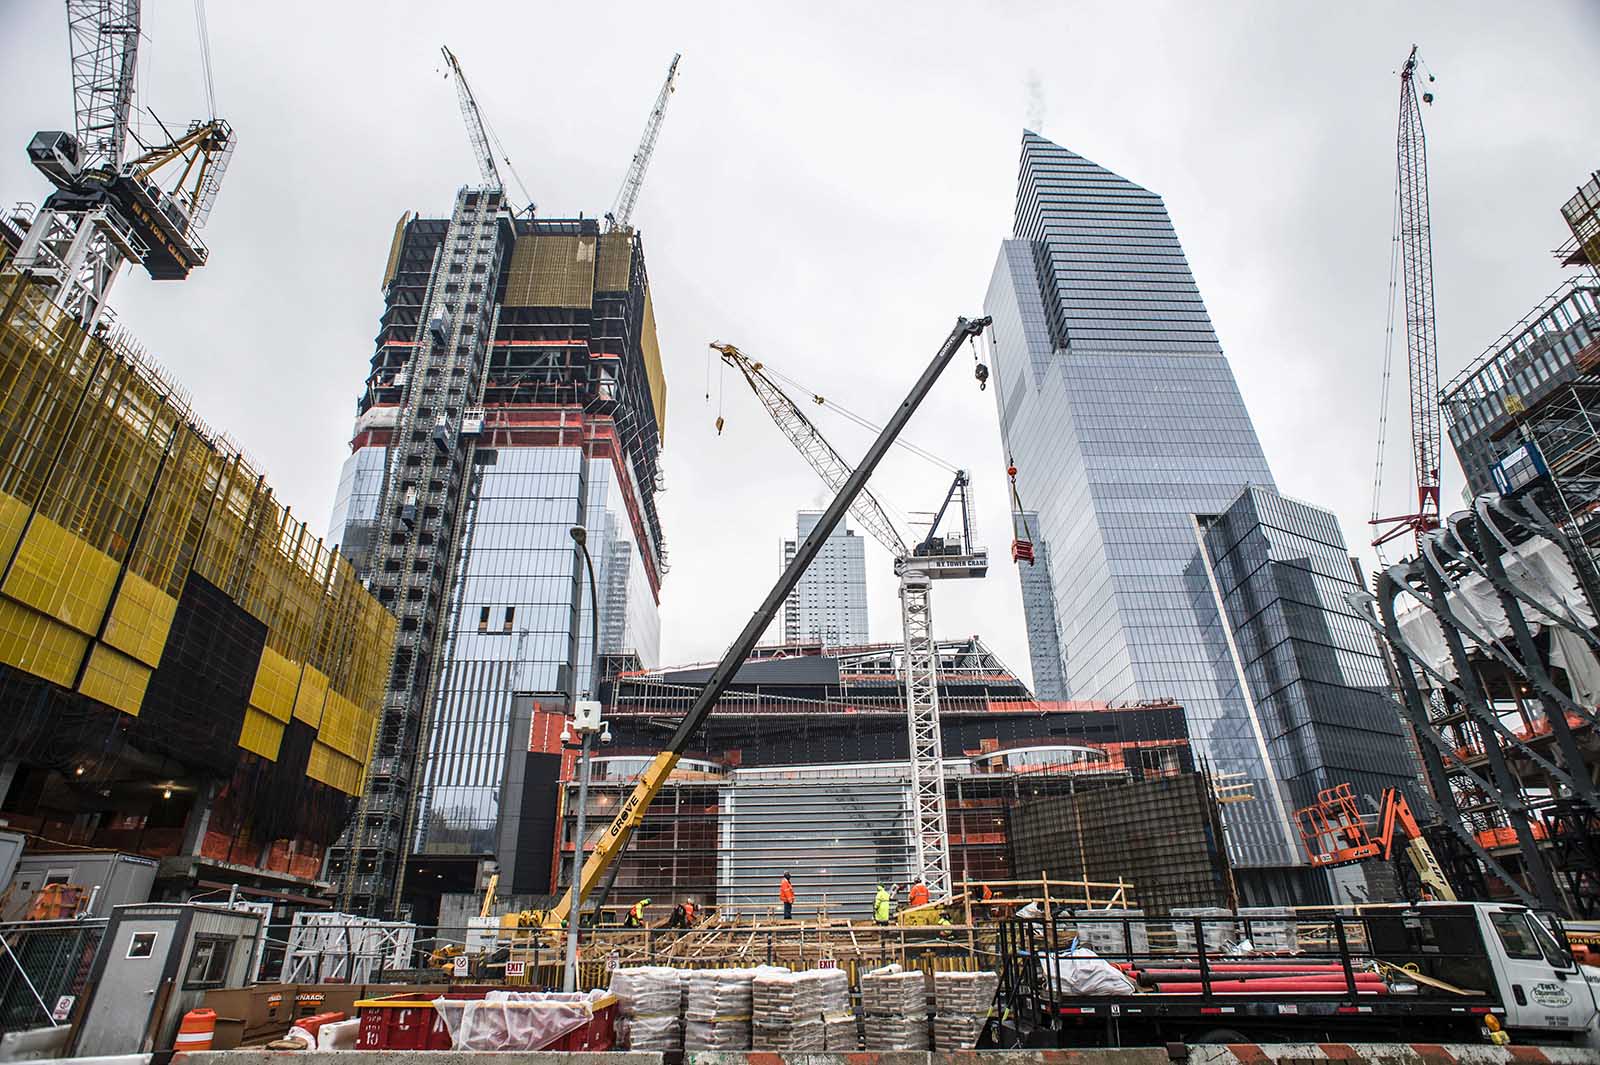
934 558
631 813
1336 833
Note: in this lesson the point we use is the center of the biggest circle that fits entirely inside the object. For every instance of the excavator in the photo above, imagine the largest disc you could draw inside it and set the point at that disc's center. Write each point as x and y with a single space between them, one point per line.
1335 833
614 839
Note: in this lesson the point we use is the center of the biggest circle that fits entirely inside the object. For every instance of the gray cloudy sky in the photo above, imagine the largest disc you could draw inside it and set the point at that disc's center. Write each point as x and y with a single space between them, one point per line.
829 193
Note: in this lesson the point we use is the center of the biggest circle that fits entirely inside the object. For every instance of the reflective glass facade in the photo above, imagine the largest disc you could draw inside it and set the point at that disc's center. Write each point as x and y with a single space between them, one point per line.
829 605
1124 421
1039 613
1317 686
513 605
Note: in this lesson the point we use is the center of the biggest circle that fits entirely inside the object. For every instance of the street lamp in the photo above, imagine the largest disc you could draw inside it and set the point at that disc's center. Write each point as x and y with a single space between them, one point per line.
586 719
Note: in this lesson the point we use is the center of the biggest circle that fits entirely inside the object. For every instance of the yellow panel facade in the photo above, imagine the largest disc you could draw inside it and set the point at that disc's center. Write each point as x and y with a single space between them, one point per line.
613 269
39 645
140 619
62 576
552 271
334 769
651 349
13 516
261 734
277 681
115 679
312 695
394 250
346 727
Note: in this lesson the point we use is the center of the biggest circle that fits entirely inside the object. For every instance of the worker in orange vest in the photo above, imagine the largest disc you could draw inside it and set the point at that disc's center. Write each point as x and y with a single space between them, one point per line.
918 895
786 896
636 914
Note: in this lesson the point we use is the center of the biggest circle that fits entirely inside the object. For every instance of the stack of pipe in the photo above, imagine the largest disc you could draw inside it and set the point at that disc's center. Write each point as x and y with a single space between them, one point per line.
1240 977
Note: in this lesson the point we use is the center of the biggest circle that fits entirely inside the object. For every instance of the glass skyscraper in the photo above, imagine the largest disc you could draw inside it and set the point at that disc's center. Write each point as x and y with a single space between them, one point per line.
829 605
1122 416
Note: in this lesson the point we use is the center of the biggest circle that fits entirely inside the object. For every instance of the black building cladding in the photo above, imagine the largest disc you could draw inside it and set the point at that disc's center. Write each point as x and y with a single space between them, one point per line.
809 709
1320 691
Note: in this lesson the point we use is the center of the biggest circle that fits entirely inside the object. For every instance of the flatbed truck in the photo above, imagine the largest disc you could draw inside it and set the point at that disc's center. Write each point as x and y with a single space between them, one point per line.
1431 972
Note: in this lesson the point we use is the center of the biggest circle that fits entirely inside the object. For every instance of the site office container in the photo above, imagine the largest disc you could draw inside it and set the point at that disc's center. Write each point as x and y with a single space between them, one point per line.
1448 966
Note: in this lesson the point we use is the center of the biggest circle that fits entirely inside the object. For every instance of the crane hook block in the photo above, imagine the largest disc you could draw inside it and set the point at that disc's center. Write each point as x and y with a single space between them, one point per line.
719 425
981 372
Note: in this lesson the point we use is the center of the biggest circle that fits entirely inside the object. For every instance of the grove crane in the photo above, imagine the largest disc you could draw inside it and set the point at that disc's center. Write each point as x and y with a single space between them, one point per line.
934 558
107 211
1422 355
631 813
621 214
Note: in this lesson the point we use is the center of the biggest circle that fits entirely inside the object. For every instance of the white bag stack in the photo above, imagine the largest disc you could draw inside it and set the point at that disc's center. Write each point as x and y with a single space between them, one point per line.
786 1011
1219 933
839 1030
962 1003
649 1007
717 1009
894 1003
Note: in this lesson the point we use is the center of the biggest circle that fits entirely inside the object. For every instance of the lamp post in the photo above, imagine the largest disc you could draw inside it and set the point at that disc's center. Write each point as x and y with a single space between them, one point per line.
586 719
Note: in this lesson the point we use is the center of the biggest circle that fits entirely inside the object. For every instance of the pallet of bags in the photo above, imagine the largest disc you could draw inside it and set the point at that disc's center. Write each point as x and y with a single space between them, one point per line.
839 1029
717 1009
962 1003
649 1008
786 1011
894 1007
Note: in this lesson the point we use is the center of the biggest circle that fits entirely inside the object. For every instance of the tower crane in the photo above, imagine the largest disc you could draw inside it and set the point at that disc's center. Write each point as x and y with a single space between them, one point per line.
107 210
621 213
483 148
934 558
631 813
1422 355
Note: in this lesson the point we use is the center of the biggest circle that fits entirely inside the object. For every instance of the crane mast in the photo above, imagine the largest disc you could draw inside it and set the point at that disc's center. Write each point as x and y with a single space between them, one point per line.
1416 267
933 558
473 118
106 212
621 214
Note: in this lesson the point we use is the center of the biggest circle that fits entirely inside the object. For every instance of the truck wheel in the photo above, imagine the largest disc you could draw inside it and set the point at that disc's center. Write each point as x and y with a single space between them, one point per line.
1219 1036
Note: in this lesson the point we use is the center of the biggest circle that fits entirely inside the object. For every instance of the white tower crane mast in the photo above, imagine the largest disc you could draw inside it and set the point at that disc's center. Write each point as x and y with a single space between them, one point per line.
106 212
621 214
935 558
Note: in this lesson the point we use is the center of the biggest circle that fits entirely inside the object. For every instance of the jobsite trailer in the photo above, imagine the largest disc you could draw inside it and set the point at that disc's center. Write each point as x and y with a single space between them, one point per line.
1442 971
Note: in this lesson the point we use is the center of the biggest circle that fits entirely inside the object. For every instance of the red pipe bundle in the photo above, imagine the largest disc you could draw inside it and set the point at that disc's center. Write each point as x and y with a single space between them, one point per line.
1366 983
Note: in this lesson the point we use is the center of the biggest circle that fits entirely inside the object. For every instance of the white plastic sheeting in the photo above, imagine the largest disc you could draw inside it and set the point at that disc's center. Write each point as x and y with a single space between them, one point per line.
1083 972
515 1020
1541 571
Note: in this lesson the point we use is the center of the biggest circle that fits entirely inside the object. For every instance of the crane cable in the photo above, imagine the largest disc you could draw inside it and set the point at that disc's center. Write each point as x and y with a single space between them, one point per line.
865 423
1388 364
205 56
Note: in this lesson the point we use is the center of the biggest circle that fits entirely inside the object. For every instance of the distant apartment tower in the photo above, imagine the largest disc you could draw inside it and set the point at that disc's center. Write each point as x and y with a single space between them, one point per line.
1130 437
829 605
516 392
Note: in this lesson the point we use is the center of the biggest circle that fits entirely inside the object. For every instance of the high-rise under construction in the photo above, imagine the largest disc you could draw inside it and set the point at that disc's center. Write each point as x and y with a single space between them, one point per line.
516 392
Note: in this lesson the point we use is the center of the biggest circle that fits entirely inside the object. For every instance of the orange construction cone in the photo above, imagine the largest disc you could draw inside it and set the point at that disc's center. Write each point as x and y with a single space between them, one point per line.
196 1031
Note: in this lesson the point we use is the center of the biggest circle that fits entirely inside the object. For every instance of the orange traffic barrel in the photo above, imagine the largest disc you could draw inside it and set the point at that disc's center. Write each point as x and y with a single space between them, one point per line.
196 1031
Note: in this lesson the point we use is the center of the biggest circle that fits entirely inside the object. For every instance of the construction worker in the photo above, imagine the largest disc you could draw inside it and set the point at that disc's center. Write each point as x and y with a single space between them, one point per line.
880 905
688 913
918 895
786 896
636 914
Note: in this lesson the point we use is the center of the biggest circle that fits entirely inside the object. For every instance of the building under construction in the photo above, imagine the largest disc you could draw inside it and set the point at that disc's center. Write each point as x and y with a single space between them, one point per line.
1493 626
802 768
516 391
187 673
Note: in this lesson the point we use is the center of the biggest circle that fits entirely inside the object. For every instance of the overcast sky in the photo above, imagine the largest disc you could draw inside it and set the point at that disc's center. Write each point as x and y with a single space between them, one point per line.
829 193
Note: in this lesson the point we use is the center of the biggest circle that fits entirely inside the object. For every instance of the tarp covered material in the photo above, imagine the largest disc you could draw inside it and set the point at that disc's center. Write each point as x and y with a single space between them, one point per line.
1538 568
1083 972
515 1020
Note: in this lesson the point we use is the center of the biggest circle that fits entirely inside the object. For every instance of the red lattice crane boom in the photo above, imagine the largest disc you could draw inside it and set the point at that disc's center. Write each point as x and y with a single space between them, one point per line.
1422 354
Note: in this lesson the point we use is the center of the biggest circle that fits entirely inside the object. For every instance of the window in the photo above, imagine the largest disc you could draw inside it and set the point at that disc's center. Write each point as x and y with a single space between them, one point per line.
142 945
208 962
511 613
1515 935
483 620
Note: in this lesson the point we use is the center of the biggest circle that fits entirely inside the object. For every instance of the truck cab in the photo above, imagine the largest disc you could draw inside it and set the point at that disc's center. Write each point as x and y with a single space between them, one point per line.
1540 983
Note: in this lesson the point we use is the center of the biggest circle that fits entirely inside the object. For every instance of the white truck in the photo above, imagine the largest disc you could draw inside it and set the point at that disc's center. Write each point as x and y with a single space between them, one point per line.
1431 971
